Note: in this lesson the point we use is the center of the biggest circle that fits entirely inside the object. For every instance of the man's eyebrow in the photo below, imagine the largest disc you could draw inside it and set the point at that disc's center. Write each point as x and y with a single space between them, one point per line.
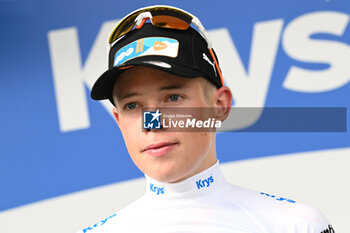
129 95
173 87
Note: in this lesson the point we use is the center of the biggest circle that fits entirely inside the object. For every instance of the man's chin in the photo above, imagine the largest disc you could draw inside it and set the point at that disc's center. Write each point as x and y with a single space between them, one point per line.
167 174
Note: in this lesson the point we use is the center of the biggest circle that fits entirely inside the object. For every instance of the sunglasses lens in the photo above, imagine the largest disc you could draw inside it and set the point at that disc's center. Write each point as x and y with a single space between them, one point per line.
161 17
122 29
167 21
127 28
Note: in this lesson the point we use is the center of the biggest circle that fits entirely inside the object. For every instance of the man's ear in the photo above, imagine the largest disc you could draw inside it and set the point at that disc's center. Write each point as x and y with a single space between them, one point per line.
116 115
222 102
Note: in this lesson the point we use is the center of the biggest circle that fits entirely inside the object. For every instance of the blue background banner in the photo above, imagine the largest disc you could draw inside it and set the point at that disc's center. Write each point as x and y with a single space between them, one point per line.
41 157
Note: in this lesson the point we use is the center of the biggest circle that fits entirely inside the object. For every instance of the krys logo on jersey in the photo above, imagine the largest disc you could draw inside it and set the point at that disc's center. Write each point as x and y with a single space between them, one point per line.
194 119
156 190
205 182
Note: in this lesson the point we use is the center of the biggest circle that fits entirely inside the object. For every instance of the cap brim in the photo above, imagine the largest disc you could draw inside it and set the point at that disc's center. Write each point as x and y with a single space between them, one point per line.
103 87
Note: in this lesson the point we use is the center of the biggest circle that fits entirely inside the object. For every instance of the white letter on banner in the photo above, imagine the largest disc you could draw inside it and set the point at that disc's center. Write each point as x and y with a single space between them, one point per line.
298 44
249 89
69 77
68 81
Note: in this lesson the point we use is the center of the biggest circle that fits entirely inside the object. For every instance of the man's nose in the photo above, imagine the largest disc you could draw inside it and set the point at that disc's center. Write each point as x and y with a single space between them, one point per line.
161 129
152 120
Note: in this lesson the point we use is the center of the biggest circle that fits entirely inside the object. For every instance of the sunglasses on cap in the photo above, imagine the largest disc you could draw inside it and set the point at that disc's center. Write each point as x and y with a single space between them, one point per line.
162 17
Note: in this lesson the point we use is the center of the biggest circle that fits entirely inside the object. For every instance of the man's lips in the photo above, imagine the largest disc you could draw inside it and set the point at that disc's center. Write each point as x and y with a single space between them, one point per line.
159 149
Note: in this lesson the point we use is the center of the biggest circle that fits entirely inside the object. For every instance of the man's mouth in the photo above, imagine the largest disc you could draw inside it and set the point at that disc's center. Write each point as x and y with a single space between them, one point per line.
159 149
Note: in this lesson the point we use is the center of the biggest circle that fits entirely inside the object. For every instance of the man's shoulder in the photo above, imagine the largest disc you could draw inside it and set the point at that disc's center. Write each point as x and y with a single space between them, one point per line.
279 213
113 222
97 227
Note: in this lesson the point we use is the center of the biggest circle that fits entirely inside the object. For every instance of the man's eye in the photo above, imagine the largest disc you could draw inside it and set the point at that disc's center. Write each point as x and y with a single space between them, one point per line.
131 106
174 97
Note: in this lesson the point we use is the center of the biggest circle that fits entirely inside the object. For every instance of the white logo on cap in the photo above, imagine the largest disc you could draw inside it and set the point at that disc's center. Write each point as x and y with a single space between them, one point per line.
148 46
124 54
207 59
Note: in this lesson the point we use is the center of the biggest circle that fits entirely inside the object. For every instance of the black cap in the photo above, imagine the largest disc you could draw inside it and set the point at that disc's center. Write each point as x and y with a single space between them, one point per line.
183 53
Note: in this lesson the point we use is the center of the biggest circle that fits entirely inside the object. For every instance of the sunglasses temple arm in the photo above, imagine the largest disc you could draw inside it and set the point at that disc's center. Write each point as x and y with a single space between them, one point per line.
202 30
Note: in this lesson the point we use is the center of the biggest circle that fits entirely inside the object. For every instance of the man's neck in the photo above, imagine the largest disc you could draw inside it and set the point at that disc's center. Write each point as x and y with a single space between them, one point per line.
203 183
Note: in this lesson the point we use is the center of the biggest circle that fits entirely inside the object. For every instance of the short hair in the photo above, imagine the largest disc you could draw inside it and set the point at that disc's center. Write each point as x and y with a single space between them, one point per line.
207 87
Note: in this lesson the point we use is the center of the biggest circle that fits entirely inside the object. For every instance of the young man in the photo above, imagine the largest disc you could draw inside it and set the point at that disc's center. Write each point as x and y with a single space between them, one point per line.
157 61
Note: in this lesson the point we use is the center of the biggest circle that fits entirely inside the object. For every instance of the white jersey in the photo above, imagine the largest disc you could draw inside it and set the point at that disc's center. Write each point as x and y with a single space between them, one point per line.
207 203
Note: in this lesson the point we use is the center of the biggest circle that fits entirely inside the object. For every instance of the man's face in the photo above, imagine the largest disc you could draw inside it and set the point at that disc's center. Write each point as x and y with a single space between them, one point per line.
162 155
